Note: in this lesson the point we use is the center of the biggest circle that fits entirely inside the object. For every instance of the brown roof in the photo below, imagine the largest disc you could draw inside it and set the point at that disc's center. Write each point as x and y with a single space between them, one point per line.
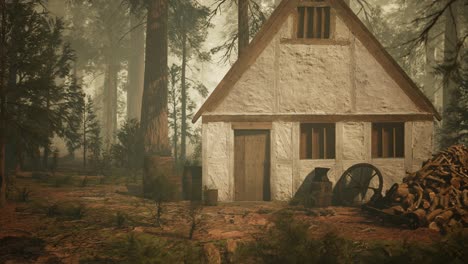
273 25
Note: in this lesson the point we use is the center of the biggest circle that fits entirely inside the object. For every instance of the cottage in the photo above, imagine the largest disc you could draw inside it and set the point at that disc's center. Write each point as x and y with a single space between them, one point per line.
313 89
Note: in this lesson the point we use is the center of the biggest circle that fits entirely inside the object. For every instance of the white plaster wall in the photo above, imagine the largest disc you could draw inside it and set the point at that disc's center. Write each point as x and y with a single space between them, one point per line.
376 91
288 171
290 78
393 171
342 32
313 79
422 142
218 158
354 141
282 161
253 93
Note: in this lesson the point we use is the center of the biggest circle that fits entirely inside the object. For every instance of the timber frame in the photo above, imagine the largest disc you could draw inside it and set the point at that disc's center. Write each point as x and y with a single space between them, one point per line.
265 120
269 30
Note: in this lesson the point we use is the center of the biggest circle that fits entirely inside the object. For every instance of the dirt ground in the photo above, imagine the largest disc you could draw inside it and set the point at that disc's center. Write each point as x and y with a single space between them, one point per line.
33 229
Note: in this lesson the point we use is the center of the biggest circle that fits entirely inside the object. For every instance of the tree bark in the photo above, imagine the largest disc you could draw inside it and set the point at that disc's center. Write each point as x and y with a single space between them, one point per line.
183 141
136 69
154 121
174 117
243 26
450 44
110 101
2 104
45 157
85 144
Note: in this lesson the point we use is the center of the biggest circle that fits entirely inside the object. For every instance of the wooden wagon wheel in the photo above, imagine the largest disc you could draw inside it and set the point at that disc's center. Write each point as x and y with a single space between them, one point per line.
358 185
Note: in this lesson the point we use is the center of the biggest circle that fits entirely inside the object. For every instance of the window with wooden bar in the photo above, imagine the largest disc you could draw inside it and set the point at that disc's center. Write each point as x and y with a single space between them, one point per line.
388 140
313 20
317 141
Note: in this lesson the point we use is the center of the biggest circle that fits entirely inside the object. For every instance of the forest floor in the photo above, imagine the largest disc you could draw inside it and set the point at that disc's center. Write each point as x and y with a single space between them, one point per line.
67 219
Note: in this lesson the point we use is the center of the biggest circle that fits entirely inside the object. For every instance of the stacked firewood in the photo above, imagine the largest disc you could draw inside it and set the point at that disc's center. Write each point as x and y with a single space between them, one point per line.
437 194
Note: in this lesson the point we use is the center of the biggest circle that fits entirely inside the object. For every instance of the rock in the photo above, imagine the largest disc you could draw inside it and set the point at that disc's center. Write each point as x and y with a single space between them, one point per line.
212 254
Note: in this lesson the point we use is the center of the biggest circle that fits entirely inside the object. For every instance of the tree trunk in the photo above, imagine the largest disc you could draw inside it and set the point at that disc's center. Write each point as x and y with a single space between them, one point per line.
136 69
2 104
85 144
174 117
154 121
110 102
450 43
183 141
45 157
243 24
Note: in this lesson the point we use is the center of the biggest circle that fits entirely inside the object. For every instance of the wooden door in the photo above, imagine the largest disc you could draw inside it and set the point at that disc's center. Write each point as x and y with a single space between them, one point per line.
252 165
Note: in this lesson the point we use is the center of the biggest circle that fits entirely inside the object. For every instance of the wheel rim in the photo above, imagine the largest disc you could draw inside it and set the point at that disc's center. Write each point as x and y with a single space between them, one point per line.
358 185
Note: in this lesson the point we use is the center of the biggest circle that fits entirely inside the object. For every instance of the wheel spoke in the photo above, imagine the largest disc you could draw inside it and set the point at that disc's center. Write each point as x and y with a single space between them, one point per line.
352 179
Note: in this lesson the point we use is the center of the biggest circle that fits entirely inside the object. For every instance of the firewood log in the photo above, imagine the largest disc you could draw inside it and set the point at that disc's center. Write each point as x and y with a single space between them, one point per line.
409 200
426 204
398 209
402 191
465 197
434 204
455 182
434 226
444 217
431 216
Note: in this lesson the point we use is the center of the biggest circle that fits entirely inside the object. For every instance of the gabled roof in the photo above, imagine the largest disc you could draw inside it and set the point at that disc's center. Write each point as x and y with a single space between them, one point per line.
273 25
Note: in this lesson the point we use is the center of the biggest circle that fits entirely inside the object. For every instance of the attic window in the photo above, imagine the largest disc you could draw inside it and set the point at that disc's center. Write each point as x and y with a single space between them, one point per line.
317 141
313 20
388 140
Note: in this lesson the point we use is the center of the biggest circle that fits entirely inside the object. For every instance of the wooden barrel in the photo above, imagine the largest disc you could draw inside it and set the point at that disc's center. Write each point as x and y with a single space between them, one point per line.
211 197
320 194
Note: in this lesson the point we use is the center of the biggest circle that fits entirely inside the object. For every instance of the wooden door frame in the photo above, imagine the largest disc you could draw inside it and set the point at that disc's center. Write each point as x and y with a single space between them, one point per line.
254 127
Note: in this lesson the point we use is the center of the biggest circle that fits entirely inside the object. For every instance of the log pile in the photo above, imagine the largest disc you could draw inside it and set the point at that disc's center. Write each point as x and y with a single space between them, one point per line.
437 194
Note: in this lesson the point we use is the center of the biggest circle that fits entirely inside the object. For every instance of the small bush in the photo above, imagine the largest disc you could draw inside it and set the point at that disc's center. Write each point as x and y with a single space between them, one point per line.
147 249
23 194
62 181
66 210
84 182
76 211
120 219
52 210
195 217
40 176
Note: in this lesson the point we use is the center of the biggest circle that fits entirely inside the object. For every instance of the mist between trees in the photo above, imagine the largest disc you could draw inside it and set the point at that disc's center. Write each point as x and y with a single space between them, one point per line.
73 72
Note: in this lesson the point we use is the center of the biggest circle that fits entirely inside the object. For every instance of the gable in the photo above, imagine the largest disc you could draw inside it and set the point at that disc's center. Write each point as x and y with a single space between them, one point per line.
350 74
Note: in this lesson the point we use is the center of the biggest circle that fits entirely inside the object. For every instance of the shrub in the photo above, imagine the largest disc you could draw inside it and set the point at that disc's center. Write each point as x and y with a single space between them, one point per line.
62 181
162 190
147 249
120 219
23 194
195 217
66 210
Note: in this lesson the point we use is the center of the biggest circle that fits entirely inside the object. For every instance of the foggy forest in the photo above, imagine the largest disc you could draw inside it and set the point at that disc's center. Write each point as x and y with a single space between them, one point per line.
140 131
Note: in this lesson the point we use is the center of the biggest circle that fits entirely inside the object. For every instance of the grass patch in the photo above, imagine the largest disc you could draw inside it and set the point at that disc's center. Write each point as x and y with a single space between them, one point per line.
289 242
69 211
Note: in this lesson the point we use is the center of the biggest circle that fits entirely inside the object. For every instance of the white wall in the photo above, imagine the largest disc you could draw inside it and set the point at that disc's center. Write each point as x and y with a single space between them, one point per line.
353 145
